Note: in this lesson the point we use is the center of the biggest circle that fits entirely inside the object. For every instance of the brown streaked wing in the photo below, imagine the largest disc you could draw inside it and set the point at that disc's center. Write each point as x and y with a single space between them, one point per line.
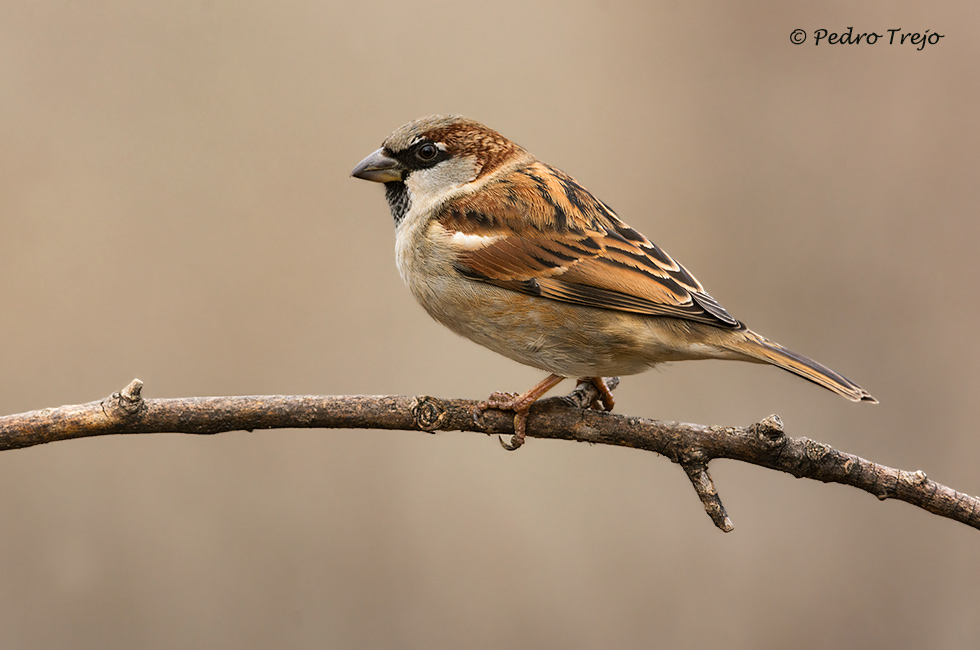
548 236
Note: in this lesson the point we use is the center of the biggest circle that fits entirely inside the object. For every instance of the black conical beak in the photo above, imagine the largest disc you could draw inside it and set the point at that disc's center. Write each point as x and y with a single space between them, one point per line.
378 168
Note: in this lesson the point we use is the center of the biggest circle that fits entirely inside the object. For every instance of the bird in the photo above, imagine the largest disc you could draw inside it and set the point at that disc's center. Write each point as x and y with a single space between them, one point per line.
516 255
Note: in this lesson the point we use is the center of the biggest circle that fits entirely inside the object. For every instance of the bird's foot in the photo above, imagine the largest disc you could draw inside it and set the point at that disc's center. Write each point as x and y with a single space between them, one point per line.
604 401
520 405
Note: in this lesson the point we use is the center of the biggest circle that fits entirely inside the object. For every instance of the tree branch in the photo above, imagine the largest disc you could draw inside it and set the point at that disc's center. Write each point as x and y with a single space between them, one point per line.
693 446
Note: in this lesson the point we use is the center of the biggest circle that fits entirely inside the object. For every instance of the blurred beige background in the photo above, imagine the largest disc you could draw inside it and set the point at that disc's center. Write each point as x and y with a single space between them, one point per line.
175 206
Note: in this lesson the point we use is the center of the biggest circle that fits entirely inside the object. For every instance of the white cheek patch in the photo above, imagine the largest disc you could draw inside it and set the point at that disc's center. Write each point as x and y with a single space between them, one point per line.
439 183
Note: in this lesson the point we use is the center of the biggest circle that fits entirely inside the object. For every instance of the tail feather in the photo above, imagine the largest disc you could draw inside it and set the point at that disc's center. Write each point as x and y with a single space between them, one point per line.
765 351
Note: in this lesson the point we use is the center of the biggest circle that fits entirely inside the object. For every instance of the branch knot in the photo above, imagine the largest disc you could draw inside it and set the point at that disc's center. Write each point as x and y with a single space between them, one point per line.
769 429
428 412
917 478
125 404
814 450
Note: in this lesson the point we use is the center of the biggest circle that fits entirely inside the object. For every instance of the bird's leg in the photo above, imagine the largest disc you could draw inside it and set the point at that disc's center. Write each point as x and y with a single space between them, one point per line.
605 400
520 405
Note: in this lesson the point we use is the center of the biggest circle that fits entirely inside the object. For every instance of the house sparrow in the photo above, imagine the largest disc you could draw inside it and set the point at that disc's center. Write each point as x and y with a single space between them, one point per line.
515 255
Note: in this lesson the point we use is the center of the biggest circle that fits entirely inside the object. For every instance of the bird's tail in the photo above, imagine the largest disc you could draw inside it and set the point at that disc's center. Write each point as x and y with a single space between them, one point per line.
762 350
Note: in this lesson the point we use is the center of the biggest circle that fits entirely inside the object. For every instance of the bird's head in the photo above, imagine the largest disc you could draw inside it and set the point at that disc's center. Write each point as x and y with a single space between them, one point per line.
430 159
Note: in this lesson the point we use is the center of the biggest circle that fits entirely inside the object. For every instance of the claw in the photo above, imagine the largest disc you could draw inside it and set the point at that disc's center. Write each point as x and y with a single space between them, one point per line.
520 429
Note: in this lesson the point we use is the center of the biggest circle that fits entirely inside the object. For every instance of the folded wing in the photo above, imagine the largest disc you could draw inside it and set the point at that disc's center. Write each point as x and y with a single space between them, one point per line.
537 231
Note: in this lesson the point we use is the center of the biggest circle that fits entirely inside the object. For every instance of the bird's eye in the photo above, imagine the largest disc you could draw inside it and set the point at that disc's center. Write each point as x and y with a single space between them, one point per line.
427 152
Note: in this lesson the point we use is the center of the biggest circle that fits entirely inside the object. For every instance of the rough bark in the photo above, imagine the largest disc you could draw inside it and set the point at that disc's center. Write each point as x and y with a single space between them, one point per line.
693 446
